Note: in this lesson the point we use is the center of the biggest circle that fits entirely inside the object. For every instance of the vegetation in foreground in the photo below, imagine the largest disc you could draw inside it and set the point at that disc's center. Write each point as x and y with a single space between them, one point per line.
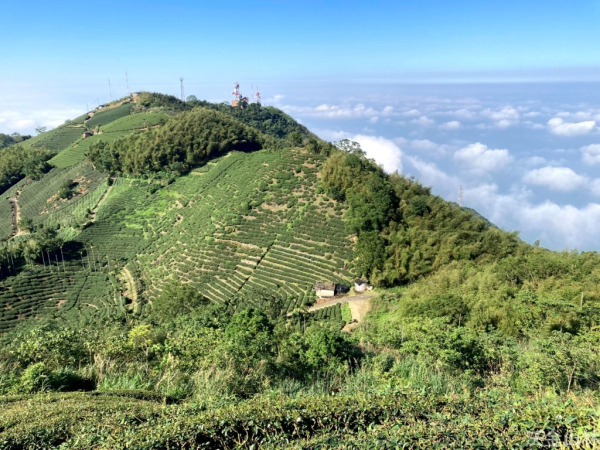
476 339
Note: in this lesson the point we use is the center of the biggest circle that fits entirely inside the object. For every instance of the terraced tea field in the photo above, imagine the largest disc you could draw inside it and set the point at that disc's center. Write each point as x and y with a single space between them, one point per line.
135 122
57 139
221 231
75 289
76 153
107 116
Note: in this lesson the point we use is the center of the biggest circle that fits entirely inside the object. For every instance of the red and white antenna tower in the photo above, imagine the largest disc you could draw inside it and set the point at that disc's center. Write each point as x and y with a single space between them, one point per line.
257 96
236 92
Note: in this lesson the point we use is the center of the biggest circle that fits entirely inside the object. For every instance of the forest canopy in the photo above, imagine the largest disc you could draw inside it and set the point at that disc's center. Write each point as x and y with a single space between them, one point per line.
184 142
403 231
18 162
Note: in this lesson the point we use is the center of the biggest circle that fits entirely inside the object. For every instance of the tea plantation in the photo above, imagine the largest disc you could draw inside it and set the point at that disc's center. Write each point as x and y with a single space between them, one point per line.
156 275
241 224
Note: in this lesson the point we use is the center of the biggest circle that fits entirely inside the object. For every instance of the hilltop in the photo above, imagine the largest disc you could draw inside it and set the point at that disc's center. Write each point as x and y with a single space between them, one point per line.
161 257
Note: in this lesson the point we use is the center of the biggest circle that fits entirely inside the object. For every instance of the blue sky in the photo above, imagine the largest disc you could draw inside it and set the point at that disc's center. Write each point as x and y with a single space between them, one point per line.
502 98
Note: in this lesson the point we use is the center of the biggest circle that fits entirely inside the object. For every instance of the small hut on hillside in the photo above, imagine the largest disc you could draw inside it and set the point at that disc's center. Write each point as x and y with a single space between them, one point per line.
324 289
360 285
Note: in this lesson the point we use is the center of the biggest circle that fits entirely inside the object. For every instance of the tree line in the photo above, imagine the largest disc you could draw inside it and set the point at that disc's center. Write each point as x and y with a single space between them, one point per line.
185 141
17 162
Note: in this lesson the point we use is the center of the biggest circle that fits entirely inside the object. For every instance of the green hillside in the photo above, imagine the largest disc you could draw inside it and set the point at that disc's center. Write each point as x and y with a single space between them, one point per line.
239 223
164 266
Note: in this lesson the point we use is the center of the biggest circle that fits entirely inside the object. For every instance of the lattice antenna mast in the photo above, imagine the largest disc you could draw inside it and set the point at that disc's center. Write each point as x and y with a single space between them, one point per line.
460 196
237 96
257 98
182 90
127 83
109 90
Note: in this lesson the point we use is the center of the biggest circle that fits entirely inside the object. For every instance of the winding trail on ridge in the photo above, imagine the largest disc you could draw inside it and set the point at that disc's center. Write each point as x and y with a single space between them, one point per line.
101 201
16 218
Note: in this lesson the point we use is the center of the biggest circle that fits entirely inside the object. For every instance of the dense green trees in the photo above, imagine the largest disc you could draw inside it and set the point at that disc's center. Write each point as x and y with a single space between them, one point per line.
403 231
183 142
17 162
10 139
176 300
148 101
267 119
37 246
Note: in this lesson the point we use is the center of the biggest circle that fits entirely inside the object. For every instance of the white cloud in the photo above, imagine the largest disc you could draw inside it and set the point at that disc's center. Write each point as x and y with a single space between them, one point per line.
431 175
384 151
423 121
563 224
557 226
591 154
579 115
275 99
504 123
424 144
374 119
412 112
481 158
507 113
559 127
387 111
464 114
535 161
534 126
502 118
26 121
452 125
401 141
595 187
327 111
532 114
561 179
332 135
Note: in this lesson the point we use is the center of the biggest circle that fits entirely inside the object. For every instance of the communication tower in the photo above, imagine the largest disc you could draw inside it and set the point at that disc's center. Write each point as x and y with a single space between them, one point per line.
182 91
460 196
237 96
127 83
257 98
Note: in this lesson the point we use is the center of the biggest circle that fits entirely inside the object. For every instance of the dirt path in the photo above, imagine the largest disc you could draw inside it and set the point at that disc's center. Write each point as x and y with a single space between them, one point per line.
100 202
131 290
359 306
16 218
